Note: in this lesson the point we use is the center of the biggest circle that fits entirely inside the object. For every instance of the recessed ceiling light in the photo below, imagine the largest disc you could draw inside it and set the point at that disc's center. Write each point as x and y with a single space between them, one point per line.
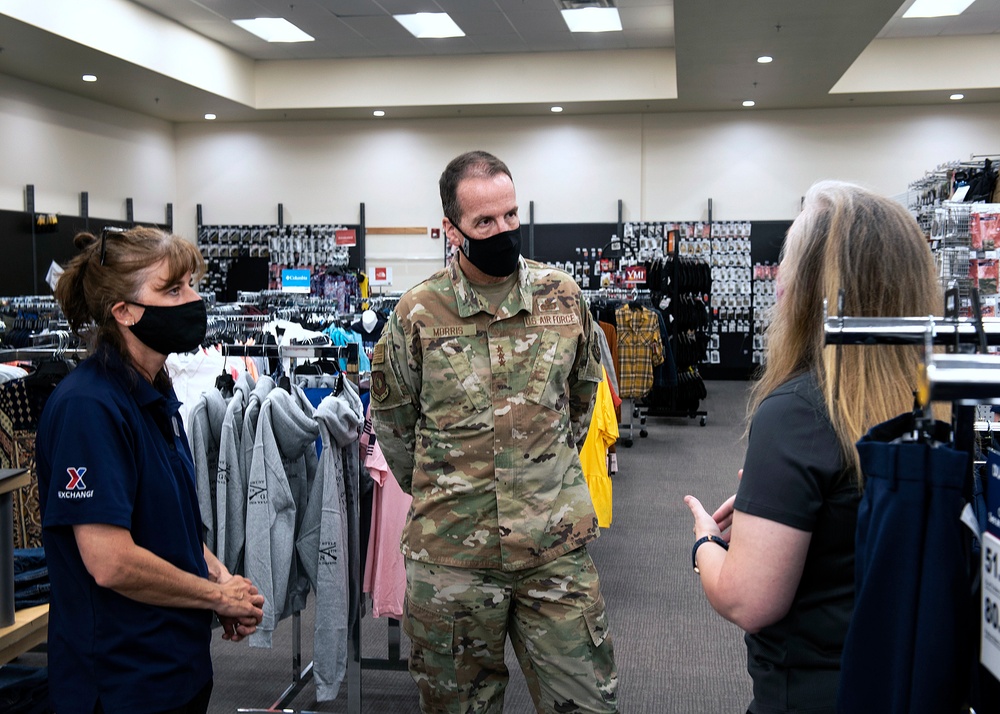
89 78
956 97
748 102
378 113
210 116
430 24
593 19
765 59
557 109
274 29
937 8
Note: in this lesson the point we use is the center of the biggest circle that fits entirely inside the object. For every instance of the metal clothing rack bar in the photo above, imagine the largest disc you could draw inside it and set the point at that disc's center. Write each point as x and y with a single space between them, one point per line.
27 354
908 330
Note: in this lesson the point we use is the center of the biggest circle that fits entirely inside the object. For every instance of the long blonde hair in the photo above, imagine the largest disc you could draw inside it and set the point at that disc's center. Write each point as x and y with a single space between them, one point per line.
848 238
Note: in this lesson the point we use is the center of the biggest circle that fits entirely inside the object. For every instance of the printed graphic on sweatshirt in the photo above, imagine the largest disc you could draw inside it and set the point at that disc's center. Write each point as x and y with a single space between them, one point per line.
76 488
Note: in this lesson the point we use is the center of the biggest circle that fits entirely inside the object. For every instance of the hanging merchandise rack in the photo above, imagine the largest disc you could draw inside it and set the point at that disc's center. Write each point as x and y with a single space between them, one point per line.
355 663
963 379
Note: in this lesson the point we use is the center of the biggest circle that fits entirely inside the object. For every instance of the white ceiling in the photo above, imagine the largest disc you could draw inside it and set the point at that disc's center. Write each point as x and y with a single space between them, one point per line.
714 42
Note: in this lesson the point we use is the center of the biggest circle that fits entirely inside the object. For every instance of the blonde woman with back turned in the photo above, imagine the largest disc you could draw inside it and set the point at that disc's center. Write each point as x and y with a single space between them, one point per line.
777 558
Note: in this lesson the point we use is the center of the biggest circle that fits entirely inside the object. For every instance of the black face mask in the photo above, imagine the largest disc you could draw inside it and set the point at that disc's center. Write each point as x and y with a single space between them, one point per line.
496 255
173 328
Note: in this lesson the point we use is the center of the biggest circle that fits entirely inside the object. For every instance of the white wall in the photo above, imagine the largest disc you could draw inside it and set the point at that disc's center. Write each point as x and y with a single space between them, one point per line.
755 165
64 144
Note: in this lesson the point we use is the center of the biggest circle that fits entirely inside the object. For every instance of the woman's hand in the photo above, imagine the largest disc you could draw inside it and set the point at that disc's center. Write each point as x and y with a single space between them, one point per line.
722 519
240 601
704 522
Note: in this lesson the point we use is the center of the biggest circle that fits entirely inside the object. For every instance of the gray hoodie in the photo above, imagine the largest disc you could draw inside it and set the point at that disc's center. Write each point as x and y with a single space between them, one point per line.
204 426
230 486
323 539
282 467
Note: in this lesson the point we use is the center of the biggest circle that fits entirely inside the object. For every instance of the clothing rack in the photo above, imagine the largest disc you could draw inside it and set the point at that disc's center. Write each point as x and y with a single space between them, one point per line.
675 299
965 380
355 663
620 294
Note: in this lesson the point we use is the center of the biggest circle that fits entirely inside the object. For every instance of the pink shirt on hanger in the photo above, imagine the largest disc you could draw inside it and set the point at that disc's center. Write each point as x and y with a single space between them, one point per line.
385 571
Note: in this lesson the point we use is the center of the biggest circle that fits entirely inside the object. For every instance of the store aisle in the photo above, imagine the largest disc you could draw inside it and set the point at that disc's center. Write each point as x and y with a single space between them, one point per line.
675 655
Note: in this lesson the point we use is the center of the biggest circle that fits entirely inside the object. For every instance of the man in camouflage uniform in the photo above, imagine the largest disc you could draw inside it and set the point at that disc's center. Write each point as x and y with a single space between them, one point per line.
481 390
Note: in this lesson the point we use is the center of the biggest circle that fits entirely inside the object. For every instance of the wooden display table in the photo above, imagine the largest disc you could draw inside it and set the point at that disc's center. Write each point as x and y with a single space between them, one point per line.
28 628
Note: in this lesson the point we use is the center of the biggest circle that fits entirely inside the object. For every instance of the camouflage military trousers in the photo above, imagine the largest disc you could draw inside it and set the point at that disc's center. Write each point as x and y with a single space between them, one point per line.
458 620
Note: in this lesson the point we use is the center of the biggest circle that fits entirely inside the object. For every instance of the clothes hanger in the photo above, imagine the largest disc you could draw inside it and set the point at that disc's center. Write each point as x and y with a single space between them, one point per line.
225 382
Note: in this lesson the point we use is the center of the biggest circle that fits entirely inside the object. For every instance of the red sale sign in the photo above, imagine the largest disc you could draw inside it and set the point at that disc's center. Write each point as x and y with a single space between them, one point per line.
348 237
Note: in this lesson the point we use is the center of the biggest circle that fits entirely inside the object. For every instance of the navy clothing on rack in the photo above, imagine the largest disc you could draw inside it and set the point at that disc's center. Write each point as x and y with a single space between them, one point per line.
910 645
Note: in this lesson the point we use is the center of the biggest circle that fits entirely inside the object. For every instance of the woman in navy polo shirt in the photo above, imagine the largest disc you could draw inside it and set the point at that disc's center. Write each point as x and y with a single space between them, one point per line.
133 587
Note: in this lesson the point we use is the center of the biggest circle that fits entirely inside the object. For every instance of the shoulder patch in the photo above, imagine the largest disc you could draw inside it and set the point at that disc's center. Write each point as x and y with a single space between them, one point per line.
379 388
595 349
378 353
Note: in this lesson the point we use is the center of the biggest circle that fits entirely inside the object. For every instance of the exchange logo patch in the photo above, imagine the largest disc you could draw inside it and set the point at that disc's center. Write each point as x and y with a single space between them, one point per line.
76 488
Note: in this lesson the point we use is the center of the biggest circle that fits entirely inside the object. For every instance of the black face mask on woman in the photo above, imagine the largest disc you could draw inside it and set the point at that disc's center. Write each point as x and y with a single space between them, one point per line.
172 328
496 255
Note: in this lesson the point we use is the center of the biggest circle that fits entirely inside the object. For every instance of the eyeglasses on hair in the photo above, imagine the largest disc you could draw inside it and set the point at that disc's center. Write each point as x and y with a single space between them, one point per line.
110 230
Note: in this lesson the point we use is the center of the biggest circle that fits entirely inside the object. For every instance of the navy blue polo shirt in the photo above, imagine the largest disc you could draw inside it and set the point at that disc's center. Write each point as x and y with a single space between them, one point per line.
112 449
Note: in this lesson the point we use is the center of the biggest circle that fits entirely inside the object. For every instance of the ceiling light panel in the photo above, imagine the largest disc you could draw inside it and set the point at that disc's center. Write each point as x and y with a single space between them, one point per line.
937 8
593 19
274 29
425 25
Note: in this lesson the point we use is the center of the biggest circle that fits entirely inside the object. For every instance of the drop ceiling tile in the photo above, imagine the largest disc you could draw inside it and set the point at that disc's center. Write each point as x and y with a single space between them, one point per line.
482 23
455 6
600 40
549 6
533 24
351 8
499 44
647 18
408 7
551 43
451 46
237 9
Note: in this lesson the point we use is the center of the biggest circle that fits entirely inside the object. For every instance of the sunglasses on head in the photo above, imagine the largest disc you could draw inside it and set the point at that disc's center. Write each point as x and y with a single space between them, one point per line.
110 230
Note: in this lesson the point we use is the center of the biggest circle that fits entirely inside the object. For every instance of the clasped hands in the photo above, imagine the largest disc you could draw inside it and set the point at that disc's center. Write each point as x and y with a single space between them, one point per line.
241 609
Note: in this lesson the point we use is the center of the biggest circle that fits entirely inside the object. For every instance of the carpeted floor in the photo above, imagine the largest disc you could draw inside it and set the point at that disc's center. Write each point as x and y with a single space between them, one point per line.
674 654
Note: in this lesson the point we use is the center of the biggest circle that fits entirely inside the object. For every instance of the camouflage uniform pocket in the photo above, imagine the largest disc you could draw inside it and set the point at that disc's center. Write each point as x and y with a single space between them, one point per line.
596 617
547 384
474 388
428 629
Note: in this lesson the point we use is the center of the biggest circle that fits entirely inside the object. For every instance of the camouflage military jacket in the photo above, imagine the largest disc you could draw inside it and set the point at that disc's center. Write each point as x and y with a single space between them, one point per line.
479 417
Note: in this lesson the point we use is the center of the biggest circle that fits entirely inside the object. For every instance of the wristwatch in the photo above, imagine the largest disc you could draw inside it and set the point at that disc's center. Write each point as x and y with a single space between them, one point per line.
700 542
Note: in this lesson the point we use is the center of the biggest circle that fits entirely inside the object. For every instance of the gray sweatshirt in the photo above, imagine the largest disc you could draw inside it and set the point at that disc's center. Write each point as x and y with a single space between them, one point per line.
282 467
323 539
230 487
204 430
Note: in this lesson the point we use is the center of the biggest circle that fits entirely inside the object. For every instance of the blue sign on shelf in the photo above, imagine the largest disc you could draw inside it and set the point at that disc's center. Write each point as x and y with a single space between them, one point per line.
295 281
